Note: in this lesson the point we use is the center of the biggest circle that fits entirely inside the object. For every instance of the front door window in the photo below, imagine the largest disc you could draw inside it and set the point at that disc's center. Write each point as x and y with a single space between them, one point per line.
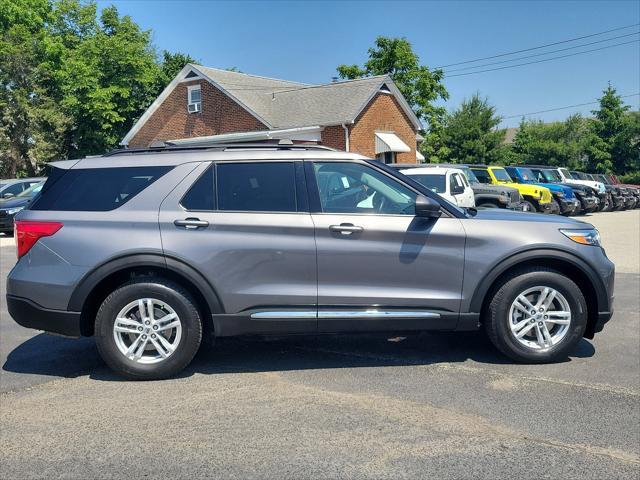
357 188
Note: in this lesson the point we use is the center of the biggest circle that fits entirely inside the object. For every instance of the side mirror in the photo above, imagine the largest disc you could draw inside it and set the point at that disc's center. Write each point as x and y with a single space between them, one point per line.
8 195
427 207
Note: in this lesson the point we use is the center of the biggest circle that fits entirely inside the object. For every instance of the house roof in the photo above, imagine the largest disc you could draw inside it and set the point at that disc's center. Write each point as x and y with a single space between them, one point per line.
283 104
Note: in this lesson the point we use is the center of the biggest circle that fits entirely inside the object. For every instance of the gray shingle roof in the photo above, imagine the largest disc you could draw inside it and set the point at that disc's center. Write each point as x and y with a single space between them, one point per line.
284 104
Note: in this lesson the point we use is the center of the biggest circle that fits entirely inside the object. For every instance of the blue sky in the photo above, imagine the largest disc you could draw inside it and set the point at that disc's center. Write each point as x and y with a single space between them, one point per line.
305 41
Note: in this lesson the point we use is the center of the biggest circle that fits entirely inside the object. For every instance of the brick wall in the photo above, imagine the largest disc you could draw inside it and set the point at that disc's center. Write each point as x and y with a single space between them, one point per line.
219 115
334 137
385 114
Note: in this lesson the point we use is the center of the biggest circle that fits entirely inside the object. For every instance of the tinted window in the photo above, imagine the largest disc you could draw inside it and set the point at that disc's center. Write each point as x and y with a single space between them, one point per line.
482 175
435 183
256 187
501 175
96 189
356 188
201 195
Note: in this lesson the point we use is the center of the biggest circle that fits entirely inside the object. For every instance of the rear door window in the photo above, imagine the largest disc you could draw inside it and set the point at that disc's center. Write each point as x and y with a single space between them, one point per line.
256 187
96 189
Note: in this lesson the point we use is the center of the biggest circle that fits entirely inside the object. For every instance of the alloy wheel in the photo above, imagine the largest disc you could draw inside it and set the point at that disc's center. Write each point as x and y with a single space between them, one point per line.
147 330
539 317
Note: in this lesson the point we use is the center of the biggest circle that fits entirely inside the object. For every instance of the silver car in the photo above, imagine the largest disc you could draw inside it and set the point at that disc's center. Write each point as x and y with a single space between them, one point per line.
151 250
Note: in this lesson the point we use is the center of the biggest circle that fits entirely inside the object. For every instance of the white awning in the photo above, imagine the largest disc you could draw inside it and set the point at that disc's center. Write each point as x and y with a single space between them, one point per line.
419 156
390 142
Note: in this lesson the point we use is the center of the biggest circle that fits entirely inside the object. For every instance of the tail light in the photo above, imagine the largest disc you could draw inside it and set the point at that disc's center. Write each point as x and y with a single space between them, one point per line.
28 233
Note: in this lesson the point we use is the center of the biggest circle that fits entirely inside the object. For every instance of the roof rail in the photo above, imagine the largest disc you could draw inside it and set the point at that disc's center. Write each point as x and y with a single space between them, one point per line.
221 147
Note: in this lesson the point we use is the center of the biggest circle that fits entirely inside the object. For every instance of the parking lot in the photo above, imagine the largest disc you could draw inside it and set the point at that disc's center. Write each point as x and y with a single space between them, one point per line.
373 406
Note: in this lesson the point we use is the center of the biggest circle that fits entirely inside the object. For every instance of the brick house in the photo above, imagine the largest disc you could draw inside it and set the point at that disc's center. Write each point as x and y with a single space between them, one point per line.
206 106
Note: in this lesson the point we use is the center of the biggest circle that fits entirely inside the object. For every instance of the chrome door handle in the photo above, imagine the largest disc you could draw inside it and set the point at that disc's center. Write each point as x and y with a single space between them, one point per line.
346 228
191 223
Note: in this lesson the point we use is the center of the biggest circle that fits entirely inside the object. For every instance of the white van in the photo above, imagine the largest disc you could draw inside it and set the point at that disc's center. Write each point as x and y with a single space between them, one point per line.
449 183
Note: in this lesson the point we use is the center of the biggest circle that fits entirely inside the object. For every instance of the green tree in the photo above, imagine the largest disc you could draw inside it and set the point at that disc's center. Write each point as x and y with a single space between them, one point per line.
614 143
421 86
555 144
72 80
470 133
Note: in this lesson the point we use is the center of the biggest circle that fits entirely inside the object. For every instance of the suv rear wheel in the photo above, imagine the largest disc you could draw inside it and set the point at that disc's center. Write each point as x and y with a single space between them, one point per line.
148 329
537 316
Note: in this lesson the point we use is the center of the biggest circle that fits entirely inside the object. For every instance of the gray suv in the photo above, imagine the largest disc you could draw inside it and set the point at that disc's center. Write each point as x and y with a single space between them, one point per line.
152 250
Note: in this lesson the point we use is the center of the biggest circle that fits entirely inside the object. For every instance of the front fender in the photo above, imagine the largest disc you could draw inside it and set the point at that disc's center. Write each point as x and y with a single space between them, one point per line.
533 254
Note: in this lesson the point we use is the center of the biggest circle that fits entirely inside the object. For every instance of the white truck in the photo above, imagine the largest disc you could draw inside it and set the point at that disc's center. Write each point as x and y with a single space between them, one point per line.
449 183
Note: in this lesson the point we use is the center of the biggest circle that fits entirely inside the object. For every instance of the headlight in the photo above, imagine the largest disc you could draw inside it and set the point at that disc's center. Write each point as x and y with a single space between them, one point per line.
12 211
586 236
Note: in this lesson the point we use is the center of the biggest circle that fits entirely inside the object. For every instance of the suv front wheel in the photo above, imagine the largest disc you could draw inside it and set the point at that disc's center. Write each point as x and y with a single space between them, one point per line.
148 329
536 316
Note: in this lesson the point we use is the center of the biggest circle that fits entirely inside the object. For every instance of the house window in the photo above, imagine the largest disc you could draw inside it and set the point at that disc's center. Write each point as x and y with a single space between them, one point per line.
194 99
386 157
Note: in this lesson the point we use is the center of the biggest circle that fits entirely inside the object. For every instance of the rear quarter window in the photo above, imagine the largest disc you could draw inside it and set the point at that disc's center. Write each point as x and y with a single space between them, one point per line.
95 189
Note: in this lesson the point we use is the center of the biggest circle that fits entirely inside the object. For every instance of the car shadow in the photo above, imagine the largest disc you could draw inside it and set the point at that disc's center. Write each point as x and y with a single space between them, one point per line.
63 357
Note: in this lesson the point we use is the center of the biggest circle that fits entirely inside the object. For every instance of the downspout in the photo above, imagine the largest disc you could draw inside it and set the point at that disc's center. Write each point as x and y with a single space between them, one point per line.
346 137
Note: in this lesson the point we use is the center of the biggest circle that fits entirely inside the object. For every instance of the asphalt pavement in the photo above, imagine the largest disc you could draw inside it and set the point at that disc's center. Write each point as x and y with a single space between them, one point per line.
357 406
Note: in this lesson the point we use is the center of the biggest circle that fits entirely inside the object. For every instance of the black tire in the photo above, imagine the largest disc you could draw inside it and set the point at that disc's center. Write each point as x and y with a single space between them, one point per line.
487 205
496 318
174 296
532 207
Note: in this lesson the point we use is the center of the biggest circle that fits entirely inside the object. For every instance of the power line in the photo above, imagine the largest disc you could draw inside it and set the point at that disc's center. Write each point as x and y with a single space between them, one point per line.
542 54
541 61
538 47
564 108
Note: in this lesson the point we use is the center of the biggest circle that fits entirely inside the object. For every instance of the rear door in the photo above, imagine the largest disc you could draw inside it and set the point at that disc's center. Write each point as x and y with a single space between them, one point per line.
246 227
380 267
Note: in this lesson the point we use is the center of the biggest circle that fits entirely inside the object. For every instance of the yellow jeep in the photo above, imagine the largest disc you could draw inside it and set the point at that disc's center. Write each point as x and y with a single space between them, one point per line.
538 198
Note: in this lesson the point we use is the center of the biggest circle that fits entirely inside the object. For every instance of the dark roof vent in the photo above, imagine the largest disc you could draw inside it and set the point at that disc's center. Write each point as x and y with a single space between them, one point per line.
191 74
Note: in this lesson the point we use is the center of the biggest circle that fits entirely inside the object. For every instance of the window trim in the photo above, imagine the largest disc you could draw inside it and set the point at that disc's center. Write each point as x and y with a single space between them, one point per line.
190 89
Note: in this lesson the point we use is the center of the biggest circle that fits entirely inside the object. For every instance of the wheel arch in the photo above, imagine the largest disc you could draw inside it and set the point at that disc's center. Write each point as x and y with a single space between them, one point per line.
567 263
95 286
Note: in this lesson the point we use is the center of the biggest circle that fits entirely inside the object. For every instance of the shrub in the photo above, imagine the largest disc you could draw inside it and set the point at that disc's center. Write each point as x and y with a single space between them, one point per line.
632 178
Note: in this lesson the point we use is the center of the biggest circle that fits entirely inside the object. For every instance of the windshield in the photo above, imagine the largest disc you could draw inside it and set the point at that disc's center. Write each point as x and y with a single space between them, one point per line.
31 191
603 179
579 175
527 174
551 175
471 177
501 175
567 174
435 183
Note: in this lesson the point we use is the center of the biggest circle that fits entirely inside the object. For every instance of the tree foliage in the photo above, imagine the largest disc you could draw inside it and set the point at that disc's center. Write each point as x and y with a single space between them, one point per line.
421 86
470 133
555 144
72 80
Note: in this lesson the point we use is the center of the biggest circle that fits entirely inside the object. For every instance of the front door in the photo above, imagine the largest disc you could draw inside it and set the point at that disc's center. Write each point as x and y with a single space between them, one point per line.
380 267
245 226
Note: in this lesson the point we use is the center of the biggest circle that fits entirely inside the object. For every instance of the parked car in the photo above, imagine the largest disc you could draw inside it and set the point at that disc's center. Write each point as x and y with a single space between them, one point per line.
15 186
485 195
627 196
568 177
151 250
10 206
587 196
450 183
537 199
566 202
635 188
